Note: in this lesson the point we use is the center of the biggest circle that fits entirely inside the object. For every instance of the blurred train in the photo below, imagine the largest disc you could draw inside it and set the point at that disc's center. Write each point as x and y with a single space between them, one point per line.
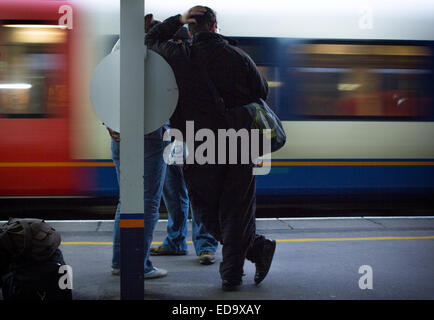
352 84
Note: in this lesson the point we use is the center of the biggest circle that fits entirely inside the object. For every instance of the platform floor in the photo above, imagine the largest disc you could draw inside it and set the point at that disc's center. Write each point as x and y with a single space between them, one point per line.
317 258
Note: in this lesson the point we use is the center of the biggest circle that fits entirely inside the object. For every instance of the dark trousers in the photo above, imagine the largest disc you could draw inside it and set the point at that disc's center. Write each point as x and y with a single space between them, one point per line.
223 196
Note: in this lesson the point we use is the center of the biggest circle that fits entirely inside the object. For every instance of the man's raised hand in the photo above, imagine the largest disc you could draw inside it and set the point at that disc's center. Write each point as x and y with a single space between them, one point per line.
195 11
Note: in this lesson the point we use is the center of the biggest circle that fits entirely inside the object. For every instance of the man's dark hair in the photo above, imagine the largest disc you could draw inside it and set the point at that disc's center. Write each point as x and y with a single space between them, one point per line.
204 22
150 22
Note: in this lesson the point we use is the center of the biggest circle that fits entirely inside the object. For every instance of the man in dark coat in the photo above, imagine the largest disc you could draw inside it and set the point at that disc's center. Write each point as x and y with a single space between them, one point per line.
223 195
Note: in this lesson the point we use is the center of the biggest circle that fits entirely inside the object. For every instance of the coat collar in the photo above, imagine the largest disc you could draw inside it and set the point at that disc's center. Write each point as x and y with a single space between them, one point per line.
214 37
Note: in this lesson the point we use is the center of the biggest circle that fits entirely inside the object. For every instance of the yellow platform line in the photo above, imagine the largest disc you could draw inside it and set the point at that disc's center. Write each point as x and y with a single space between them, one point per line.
278 240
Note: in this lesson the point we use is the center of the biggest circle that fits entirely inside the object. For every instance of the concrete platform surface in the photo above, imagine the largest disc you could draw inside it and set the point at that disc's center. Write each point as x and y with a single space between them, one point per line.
316 258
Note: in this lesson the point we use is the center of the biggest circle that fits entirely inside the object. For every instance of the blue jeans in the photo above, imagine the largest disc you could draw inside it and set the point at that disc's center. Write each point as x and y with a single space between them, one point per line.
176 199
154 173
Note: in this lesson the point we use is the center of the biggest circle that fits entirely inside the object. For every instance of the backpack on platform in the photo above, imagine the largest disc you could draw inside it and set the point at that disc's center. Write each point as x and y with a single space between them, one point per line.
31 261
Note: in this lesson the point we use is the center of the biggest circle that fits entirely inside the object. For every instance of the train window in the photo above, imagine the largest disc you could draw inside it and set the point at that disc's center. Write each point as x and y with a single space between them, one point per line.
345 80
31 70
265 53
271 74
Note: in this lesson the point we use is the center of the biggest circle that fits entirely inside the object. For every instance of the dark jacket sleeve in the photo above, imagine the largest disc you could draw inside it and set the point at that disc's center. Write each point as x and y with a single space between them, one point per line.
159 37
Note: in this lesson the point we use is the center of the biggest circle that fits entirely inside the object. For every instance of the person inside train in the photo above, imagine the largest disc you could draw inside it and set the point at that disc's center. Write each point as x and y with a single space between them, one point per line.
222 195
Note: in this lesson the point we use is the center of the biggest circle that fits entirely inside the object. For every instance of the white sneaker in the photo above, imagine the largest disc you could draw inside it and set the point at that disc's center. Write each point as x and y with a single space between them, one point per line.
155 273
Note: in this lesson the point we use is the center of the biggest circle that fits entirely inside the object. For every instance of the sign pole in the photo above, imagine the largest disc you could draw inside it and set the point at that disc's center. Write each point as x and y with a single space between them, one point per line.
132 66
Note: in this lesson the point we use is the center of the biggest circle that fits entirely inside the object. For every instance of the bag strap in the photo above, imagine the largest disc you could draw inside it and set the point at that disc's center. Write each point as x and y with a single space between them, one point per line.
219 102
217 97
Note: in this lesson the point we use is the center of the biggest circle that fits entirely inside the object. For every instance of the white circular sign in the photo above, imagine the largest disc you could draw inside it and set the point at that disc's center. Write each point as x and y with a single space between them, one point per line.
161 91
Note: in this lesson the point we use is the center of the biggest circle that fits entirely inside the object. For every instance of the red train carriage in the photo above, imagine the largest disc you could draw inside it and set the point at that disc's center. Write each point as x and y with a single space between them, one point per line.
35 101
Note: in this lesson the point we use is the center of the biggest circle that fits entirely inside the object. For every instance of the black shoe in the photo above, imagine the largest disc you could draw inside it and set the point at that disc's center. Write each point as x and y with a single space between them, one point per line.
263 265
231 285
163 251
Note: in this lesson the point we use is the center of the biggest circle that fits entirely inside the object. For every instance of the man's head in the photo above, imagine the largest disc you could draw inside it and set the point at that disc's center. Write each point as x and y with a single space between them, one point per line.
207 22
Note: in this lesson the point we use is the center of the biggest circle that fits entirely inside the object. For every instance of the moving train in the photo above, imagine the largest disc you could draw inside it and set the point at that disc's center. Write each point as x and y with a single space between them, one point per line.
352 84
